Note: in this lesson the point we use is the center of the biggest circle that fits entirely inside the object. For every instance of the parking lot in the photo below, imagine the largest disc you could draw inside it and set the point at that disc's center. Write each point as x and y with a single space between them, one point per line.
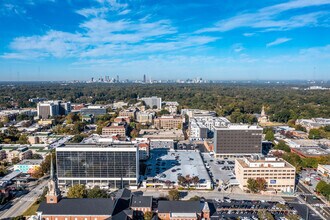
167 165
221 171
248 209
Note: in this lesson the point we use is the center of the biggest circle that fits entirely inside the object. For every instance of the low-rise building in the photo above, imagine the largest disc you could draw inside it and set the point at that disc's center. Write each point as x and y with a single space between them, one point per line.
168 122
110 130
141 205
120 119
28 166
182 210
278 173
93 110
131 113
324 170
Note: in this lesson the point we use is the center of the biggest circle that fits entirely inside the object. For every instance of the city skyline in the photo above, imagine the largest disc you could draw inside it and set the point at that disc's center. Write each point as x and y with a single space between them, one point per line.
76 40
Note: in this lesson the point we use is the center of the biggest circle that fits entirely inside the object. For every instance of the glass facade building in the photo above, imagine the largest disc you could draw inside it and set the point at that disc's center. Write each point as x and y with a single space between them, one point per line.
108 167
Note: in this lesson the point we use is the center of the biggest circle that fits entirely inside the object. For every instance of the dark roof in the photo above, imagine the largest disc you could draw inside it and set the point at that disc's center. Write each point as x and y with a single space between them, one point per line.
69 207
179 207
123 193
141 201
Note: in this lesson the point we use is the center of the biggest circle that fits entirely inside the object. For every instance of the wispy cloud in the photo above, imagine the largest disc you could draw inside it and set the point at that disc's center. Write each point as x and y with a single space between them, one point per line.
278 41
268 17
238 47
249 34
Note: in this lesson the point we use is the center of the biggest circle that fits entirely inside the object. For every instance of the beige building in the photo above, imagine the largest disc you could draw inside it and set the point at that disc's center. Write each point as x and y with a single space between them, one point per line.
168 122
120 130
324 170
144 117
279 174
128 113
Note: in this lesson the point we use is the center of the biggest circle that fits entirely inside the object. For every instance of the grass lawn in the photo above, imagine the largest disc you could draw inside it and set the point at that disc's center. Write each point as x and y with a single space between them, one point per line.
31 210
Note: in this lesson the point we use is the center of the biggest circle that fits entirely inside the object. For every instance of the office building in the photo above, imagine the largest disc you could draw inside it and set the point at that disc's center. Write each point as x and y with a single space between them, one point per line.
93 110
279 174
153 102
111 166
53 108
237 140
168 122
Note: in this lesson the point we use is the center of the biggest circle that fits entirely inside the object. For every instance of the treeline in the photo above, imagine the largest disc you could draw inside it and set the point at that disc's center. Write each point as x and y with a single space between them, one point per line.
239 101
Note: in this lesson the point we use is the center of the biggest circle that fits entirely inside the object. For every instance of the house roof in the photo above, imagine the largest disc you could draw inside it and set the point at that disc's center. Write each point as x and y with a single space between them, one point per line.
141 201
124 193
179 207
100 206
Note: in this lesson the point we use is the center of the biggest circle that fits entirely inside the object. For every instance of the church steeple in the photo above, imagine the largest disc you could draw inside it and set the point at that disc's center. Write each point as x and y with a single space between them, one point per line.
52 195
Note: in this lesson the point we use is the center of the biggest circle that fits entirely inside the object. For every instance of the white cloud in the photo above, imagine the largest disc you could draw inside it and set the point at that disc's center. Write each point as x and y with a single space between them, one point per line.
268 17
249 34
278 41
238 47
124 12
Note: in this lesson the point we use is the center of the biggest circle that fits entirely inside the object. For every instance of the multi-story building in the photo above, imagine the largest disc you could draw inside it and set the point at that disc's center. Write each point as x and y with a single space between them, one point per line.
52 108
168 122
110 130
128 113
93 110
28 166
111 166
144 117
152 102
237 140
198 113
203 127
21 153
278 173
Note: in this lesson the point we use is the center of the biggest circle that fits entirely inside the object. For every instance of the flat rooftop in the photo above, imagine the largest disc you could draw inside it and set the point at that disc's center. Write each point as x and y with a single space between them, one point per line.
312 151
176 162
30 162
263 163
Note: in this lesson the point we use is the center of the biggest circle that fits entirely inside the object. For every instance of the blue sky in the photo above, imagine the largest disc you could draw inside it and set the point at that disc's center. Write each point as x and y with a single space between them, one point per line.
164 39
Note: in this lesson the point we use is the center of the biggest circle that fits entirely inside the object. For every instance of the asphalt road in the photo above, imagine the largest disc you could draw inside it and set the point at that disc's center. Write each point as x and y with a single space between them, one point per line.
23 203
311 199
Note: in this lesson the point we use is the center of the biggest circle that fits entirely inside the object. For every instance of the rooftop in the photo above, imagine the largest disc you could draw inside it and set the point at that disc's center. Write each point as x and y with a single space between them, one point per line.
179 206
30 162
101 206
141 201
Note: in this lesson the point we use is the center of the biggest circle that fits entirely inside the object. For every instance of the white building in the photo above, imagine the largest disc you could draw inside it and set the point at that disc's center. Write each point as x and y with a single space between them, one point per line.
202 127
153 101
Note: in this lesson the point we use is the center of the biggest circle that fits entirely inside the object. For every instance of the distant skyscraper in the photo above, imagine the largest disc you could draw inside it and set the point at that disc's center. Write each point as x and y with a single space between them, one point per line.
117 79
144 78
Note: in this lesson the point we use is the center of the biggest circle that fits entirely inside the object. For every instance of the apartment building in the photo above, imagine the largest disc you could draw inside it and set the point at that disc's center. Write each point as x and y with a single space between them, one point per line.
145 117
52 108
131 113
168 122
278 173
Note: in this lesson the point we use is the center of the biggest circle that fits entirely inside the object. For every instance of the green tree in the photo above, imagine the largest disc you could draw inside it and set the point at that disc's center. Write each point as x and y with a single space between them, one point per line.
77 191
282 146
269 135
96 192
252 185
292 217
15 160
173 195
21 217
261 184
195 198
314 134
23 139
45 165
